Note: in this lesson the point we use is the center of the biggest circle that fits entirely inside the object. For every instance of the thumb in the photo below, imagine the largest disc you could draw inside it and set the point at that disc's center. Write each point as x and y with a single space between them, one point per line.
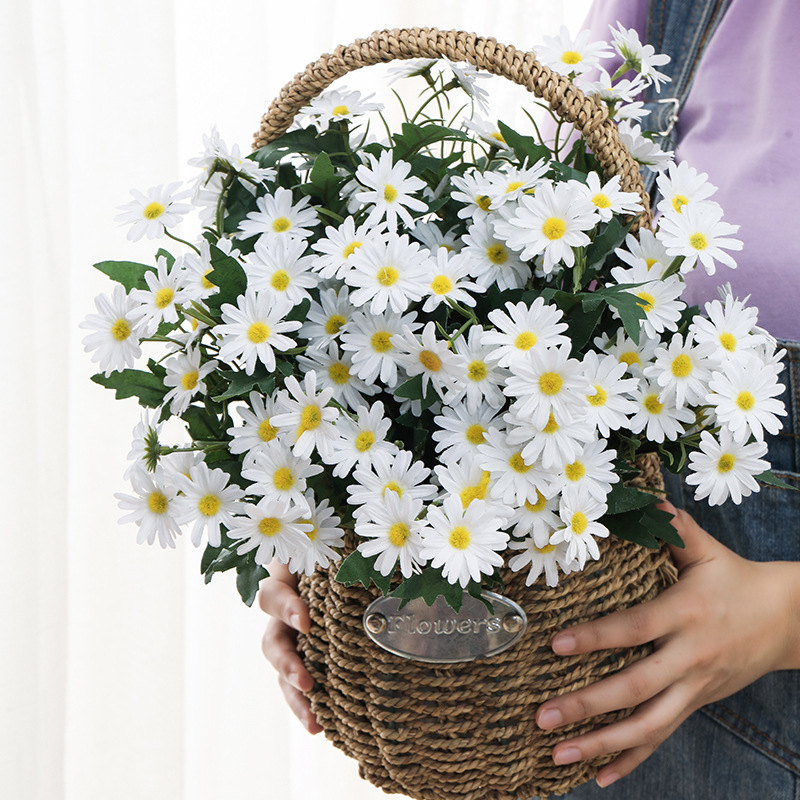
698 543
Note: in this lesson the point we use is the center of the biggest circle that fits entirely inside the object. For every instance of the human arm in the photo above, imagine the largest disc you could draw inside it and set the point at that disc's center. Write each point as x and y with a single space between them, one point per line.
724 624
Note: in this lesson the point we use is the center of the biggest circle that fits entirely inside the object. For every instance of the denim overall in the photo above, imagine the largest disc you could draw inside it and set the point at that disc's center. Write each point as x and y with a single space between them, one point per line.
746 746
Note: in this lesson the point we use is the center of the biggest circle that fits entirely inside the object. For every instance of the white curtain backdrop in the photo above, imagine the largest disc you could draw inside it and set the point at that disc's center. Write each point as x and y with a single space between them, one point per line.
121 675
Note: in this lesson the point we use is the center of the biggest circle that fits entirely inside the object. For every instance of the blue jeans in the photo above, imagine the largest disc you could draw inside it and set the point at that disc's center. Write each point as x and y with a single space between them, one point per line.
747 746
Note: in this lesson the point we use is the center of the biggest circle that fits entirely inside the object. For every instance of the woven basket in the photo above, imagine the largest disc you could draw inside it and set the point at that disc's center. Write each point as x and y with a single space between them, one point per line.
467 731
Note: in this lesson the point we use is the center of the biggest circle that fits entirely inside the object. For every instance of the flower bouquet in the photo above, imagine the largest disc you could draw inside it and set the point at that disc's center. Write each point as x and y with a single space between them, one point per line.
430 367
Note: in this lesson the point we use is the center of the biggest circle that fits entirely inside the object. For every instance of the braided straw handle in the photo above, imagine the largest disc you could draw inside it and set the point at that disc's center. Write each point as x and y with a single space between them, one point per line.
566 100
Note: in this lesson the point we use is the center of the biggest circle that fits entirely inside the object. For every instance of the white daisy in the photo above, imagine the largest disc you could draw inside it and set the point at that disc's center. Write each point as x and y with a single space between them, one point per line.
207 503
307 416
512 182
610 404
256 429
473 191
361 439
326 319
645 247
488 259
551 223
253 330
645 151
334 370
447 281
489 132
464 479
482 379
545 558
641 58
388 190
681 369
467 76
393 531
682 186
571 56
537 520
339 105
725 468
659 420
185 374
114 344
275 472
152 508
151 213
431 358
370 340
215 151
464 542
143 435
699 234
273 528
388 272
158 302
336 248
431 236
593 469
523 330
662 308
579 512
609 199
278 215
626 351
278 268
460 431
324 536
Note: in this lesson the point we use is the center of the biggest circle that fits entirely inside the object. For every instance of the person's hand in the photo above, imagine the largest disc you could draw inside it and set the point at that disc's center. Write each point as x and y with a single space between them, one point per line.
278 597
725 623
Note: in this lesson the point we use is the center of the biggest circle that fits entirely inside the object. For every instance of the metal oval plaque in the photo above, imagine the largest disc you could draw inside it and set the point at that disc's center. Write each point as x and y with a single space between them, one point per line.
438 634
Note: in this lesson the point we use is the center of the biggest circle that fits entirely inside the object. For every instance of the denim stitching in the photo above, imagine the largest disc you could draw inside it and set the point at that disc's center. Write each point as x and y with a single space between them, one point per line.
754 728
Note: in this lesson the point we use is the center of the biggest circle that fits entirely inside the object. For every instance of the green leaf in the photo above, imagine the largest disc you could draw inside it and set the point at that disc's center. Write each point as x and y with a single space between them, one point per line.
627 498
659 523
210 554
412 388
307 141
128 273
581 326
250 575
629 526
414 138
430 584
148 388
167 256
356 568
229 276
524 146
241 384
771 479
201 425
299 313
606 243
225 560
630 310
323 182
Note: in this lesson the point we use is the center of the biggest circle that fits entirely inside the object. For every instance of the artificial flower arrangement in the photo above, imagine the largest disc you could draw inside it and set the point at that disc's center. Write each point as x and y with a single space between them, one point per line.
454 341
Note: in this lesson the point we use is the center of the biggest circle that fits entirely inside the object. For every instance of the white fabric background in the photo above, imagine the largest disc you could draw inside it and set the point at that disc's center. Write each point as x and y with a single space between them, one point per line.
121 675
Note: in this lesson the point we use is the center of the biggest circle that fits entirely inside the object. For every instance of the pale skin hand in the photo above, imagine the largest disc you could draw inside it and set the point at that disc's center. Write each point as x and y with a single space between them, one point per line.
727 622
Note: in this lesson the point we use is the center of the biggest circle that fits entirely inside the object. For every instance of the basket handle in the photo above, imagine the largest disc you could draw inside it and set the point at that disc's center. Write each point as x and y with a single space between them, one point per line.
566 100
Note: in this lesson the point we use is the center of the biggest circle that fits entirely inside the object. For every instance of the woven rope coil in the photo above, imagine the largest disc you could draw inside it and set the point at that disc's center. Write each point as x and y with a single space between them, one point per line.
468 731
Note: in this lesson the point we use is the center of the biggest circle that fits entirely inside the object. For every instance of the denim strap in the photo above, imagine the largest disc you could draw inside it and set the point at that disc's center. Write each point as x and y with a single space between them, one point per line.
681 29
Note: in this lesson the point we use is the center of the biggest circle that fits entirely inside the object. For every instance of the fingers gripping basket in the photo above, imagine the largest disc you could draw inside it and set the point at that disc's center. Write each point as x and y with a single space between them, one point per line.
468 730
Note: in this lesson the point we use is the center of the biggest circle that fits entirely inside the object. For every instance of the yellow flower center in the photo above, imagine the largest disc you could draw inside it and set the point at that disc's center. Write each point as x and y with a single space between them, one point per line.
483 201
153 210
389 193
364 441
539 505
334 324
648 301
571 57
517 464
650 262
601 200
205 282
499 136
548 548
525 340
283 479
280 280
441 284
209 505
459 538
575 471
728 342
476 371
476 492
269 526
350 249
578 523
745 401
121 330
430 360
387 276
395 487
652 405
164 297
189 380
340 111
698 241
157 503
630 357
550 383
554 228
312 534
339 373
513 186
398 534
599 398
682 366
552 425
497 253
381 341
474 433
281 225
258 332
310 418
726 462
679 201
266 432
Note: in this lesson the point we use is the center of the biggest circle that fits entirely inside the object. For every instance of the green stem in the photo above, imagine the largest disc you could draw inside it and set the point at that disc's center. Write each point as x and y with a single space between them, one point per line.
181 241
673 268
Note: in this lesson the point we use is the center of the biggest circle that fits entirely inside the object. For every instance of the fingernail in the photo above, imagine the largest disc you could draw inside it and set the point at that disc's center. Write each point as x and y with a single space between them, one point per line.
294 680
294 620
563 644
550 718
569 755
607 780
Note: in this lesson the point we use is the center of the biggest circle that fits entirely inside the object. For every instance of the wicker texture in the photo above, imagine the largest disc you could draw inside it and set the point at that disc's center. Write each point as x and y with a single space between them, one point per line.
468 731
